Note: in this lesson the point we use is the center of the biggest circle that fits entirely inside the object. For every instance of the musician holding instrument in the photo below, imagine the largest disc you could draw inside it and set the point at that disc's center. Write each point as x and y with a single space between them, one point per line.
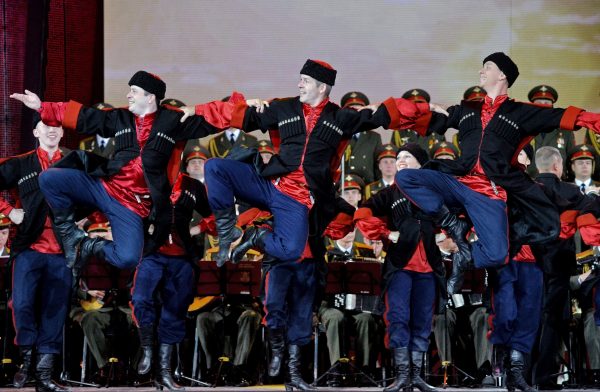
413 270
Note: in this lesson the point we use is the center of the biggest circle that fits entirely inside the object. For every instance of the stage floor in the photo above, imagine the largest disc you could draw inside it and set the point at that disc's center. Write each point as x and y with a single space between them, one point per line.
280 388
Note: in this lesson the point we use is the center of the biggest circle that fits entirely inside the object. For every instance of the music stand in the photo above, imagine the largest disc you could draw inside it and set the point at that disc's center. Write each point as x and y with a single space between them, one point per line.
99 275
208 283
231 279
351 277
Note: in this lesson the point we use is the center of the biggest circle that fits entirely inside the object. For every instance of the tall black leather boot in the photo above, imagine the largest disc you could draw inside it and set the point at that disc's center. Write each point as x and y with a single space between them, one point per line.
146 342
43 375
514 374
277 342
416 359
70 234
24 373
295 374
164 377
88 248
227 231
462 260
252 239
402 369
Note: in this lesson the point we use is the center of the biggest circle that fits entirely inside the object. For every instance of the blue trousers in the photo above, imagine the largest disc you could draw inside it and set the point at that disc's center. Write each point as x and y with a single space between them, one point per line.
517 306
409 300
64 188
430 190
597 304
176 279
227 180
290 289
40 300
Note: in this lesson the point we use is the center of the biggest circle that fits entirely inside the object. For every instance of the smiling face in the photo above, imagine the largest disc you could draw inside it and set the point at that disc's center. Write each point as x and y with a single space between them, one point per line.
490 76
140 101
312 92
48 137
406 160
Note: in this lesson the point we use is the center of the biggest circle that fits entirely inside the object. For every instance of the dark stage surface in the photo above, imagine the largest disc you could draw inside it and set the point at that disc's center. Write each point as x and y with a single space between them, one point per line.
279 388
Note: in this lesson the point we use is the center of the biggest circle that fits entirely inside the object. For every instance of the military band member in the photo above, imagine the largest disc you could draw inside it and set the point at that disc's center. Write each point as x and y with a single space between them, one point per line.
386 162
360 154
4 232
474 94
444 150
104 315
582 162
593 140
220 145
564 140
357 308
266 150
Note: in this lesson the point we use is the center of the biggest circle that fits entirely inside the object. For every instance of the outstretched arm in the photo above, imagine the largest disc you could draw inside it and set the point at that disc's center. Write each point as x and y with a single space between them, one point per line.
29 99
589 120
406 114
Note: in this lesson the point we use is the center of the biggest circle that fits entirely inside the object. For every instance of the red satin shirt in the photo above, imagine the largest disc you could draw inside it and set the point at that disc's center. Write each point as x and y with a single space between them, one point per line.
47 242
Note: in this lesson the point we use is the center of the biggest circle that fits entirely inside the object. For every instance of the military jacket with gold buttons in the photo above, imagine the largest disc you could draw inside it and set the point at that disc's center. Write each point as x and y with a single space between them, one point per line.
401 137
360 155
374 187
560 139
219 146
90 144
593 139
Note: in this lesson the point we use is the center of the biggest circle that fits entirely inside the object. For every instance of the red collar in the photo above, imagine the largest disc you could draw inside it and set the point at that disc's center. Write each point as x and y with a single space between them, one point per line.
145 120
45 160
489 103
309 110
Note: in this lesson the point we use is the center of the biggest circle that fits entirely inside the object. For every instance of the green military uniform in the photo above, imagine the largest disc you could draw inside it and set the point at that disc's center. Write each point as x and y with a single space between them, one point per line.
400 138
333 311
106 146
386 151
375 187
219 146
563 140
96 318
592 139
474 94
360 154
444 150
